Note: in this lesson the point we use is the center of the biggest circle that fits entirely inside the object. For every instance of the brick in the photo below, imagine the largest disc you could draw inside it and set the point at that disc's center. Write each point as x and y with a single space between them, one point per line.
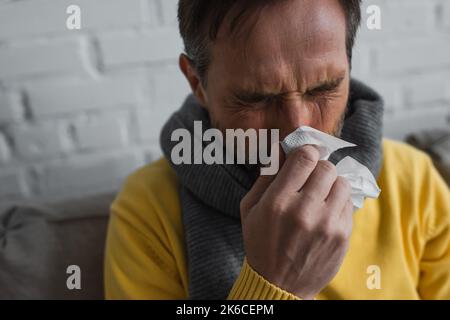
391 91
66 97
447 92
150 13
40 140
131 48
446 14
170 88
412 56
41 59
12 184
5 153
11 109
361 61
169 12
427 88
49 16
418 14
400 18
87 174
400 125
107 132
102 14
149 124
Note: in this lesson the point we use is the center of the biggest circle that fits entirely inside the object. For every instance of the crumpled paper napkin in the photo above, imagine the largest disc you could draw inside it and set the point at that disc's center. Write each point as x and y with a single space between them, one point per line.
362 181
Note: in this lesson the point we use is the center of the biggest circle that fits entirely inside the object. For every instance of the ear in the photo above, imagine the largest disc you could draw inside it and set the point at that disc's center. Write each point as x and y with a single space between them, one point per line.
192 77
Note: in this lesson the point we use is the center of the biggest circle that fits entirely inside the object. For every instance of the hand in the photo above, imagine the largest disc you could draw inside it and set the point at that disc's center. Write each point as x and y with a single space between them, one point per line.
297 224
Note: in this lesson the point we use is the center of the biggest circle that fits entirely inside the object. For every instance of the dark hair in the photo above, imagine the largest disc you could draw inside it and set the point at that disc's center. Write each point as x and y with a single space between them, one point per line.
200 20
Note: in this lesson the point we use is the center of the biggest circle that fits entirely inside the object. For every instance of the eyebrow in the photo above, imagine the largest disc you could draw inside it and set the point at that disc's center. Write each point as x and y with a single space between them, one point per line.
256 96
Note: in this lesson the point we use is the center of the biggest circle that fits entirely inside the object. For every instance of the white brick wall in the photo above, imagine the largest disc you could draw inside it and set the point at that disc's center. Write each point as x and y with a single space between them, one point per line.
4 150
445 18
41 59
11 109
80 110
13 184
40 141
418 55
86 173
102 133
43 17
53 98
131 48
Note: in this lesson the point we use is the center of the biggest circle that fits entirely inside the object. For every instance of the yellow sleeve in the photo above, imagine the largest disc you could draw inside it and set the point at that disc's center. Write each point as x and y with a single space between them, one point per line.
252 286
133 267
142 258
145 256
435 262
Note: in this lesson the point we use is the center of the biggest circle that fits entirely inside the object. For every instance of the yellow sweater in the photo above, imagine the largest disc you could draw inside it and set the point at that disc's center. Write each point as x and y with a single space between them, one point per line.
399 249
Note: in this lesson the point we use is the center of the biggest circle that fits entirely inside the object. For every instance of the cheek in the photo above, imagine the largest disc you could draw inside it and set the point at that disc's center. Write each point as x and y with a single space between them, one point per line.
331 113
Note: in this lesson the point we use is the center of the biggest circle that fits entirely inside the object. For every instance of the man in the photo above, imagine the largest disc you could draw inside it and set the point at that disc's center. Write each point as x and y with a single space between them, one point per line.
220 231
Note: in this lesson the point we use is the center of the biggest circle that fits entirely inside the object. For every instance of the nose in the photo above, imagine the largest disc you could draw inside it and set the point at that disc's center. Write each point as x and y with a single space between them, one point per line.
292 114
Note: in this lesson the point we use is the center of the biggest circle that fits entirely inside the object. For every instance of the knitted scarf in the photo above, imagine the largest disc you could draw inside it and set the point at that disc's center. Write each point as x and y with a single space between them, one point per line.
210 194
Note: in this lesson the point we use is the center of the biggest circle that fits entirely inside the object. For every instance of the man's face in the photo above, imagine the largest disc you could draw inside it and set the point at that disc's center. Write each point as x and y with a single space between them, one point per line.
290 70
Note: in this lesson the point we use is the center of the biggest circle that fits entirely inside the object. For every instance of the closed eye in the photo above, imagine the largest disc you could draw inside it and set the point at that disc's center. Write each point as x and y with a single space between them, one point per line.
252 98
323 90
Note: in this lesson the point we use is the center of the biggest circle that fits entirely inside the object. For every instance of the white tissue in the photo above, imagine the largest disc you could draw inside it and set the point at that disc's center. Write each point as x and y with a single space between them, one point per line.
362 181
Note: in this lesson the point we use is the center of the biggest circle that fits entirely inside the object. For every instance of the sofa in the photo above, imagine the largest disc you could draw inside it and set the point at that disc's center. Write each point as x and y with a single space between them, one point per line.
39 241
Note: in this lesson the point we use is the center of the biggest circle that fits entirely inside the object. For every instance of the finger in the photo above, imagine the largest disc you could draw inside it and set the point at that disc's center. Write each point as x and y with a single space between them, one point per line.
321 180
256 192
262 183
347 216
348 209
339 195
296 169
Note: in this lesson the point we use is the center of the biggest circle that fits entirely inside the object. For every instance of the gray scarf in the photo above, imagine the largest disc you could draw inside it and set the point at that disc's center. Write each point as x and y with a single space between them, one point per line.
210 194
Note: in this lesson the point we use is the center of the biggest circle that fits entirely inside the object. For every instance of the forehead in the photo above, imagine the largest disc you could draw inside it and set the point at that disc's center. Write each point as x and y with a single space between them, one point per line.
289 37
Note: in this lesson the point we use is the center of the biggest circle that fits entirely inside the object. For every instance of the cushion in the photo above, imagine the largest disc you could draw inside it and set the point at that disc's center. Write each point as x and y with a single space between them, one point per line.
39 241
437 144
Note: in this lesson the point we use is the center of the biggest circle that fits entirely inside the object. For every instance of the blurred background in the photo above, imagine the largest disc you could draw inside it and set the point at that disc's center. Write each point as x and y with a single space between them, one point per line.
82 109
